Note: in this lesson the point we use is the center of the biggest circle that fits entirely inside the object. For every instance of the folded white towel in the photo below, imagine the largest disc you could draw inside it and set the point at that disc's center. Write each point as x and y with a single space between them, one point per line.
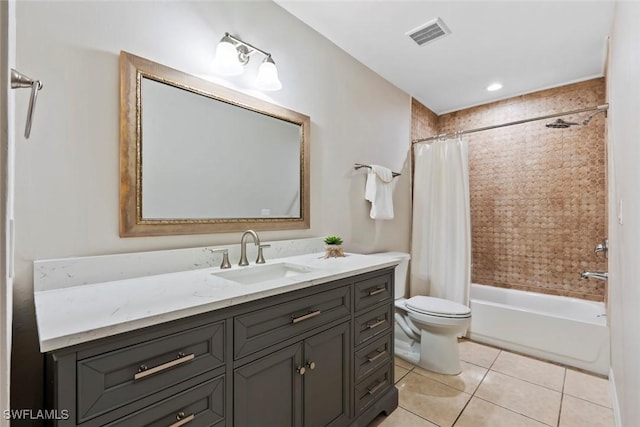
379 192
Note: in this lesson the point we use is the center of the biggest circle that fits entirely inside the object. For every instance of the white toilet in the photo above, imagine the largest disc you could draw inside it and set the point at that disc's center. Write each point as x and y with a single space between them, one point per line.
427 328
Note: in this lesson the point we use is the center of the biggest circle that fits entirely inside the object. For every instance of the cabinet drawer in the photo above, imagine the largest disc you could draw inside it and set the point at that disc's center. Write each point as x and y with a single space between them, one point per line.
198 406
373 323
263 328
372 387
374 290
120 377
373 356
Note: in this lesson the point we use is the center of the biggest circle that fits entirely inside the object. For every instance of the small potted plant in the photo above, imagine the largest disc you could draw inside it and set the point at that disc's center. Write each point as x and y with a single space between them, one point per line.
333 247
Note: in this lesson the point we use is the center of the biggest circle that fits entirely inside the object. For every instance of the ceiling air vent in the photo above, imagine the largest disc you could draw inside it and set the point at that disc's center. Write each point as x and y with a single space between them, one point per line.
429 32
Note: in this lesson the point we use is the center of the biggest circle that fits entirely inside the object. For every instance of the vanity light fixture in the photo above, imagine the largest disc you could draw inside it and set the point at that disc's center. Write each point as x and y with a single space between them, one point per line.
232 54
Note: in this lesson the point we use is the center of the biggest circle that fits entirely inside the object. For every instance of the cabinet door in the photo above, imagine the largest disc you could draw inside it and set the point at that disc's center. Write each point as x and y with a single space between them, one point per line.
326 380
268 392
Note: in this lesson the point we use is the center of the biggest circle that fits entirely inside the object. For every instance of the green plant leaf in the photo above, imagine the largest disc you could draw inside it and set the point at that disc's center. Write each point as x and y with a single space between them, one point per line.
333 240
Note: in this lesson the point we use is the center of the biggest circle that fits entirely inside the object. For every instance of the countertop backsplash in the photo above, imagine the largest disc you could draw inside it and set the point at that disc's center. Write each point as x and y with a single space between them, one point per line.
67 272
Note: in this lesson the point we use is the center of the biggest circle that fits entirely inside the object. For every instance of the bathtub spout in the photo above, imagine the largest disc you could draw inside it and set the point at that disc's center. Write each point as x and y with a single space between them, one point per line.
602 275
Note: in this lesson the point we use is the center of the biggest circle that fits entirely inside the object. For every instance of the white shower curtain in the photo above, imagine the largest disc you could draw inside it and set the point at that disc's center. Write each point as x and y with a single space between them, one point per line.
441 240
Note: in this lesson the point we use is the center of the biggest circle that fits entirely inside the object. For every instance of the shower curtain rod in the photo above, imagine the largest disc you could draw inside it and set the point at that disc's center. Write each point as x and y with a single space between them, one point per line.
603 107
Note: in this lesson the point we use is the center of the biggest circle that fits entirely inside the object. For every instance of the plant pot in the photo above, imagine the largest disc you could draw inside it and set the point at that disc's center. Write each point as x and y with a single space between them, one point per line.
334 251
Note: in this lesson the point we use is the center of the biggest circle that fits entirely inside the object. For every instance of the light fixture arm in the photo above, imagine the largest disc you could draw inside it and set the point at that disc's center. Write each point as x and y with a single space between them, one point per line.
248 45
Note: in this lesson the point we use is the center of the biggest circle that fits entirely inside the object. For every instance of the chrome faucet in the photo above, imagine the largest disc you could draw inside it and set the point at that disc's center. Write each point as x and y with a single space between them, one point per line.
243 246
602 275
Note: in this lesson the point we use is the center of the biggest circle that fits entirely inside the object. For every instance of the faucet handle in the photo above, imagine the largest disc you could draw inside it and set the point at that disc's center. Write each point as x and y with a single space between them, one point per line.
602 247
260 259
225 257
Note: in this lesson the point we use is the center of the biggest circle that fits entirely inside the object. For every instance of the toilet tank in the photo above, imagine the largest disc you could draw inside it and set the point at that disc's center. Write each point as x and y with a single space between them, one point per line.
401 278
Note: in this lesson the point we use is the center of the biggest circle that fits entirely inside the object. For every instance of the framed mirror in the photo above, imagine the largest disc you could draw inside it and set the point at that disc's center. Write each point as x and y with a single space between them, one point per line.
197 158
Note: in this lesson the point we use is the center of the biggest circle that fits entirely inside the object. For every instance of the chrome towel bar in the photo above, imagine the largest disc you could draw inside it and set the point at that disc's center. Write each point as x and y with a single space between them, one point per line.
18 81
360 165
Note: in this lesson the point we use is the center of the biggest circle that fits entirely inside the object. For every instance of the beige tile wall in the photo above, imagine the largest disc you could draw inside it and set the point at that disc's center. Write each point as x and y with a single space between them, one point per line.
537 194
424 122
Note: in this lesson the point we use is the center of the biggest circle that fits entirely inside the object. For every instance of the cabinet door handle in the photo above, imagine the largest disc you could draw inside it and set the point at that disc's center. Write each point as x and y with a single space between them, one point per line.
143 371
376 357
305 316
301 370
376 388
311 365
182 420
377 291
375 324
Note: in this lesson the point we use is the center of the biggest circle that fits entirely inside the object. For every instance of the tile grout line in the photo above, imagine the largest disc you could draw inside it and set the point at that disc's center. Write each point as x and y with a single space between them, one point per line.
520 413
420 416
494 360
475 389
513 411
587 401
564 381
407 409
443 384
527 381
509 409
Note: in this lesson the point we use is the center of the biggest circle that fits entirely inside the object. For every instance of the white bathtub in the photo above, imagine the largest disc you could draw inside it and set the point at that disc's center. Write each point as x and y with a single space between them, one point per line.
566 330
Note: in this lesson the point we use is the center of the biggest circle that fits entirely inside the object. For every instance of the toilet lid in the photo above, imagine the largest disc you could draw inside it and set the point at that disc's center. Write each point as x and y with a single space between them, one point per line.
437 306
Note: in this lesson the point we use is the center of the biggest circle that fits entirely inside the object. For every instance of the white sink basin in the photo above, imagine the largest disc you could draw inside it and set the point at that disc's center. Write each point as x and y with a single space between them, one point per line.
264 272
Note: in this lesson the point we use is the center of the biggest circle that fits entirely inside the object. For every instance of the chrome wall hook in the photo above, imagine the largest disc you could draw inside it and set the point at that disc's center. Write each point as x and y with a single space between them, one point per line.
18 81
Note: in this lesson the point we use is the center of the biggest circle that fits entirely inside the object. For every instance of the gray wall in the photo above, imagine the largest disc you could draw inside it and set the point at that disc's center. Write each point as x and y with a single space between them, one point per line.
67 173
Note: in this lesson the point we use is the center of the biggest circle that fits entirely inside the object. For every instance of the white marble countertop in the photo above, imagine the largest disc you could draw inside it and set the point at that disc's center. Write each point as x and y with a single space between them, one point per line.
77 314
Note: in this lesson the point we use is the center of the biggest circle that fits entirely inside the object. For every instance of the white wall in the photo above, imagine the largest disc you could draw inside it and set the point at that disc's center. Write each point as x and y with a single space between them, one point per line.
624 223
67 173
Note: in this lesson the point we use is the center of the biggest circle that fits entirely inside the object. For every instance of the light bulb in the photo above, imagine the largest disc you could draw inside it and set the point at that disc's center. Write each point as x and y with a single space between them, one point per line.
268 76
226 61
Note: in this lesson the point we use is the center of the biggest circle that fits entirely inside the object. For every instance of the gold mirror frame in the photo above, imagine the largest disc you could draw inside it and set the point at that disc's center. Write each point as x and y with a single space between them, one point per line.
132 69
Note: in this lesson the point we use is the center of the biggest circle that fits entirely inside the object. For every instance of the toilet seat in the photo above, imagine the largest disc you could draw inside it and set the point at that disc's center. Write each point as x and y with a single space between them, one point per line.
437 307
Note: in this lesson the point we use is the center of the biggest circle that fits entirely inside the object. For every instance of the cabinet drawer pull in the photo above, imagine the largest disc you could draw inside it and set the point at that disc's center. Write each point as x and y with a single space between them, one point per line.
376 357
305 316
143 371
376 388
182 420
376 324
377 291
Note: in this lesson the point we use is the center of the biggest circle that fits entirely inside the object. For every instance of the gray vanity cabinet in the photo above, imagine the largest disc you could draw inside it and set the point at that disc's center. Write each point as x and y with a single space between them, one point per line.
326 379
268 391
305 384
316 357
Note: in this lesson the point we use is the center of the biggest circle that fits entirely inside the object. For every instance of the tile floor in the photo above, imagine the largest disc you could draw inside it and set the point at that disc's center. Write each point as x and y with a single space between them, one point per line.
498 389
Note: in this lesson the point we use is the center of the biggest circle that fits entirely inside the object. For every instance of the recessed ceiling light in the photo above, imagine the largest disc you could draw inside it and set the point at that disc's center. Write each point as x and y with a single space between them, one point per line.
494 86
